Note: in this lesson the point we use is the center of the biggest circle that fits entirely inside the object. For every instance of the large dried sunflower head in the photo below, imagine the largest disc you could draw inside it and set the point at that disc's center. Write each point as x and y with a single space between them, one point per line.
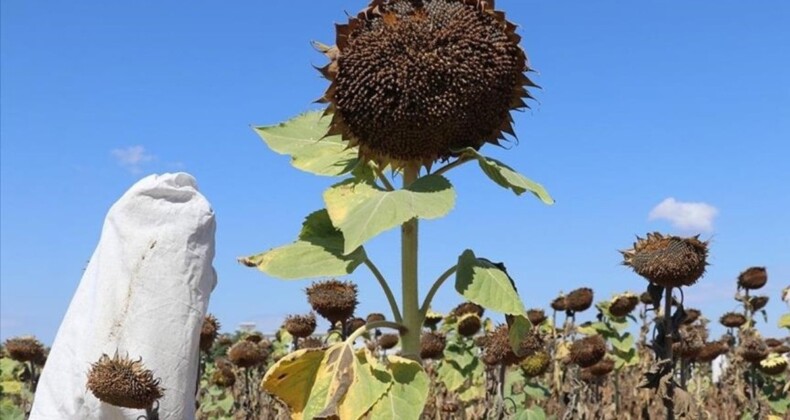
208 332
732 320
669 261
25 349
536 316
333 299
469 325
415 80
579 300
123 382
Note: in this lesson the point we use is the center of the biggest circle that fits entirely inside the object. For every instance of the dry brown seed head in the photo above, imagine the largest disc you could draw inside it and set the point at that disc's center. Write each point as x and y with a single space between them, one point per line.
413 81
123 382
623 304
246 354
432 345
559 304
753 350
588 351
732 320
774 364
333 299
536 316
691 316
602 368
375 317
25 349
468 308
388 341
432 318
208 332
223 378
300 326
579 300
469 324
311 343
668 261
354 324
758 302
753 278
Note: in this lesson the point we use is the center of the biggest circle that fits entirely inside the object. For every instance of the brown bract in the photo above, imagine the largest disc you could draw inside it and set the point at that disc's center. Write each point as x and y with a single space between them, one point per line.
25 349
300 326
123 382
333 299
668 261
753 278
414 81
432 345
246 354
588 351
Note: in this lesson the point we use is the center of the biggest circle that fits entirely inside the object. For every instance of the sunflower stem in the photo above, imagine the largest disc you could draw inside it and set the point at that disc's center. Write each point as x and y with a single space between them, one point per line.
387 291
435 288
458 162
669 402
410 340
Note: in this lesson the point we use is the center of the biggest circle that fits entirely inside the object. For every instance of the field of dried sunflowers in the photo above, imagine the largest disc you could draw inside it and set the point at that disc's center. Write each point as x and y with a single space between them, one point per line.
600 368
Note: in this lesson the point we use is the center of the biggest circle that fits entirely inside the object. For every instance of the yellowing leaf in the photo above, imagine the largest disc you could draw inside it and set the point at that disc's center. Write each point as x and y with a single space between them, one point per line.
408 391
291 378
302 138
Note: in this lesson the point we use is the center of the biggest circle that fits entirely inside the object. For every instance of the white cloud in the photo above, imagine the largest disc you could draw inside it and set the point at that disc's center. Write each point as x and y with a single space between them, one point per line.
685 216
132 157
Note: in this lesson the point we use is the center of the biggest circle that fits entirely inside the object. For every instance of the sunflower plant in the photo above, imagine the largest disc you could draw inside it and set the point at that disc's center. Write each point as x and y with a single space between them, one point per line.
417 87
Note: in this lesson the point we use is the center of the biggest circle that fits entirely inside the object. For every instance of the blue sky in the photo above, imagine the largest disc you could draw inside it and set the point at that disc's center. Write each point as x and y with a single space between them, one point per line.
640 103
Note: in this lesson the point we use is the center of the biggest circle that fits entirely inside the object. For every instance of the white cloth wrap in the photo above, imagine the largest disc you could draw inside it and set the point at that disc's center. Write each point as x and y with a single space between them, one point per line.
144 294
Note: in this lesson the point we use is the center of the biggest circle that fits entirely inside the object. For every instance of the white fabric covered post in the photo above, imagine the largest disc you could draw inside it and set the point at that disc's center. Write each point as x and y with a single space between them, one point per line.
144 293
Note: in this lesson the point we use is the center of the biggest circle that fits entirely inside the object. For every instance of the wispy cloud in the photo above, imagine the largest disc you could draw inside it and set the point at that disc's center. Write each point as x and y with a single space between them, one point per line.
685 216
132 158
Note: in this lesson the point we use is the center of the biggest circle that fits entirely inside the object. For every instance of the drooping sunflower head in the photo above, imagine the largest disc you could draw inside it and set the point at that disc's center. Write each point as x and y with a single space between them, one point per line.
208 332
415 80
123 382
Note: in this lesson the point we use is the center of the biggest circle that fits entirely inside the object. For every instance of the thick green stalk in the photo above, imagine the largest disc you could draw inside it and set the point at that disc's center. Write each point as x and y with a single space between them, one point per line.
410 339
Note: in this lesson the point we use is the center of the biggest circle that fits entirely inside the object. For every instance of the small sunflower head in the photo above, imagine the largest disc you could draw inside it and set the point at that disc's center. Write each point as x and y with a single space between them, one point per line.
375 317
469 324
753 349
25 349
645 298
123 382
536 364
623 304
414 81
468 308
711 350
300 326
774 364
690 343
536 316
559 304
432 345
354 324
668 261
753 278
208 332
602 368
223 377
692 315
758 302
388 341
311 343
333 299
588 351
432 319
245 354
732 320
579 300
